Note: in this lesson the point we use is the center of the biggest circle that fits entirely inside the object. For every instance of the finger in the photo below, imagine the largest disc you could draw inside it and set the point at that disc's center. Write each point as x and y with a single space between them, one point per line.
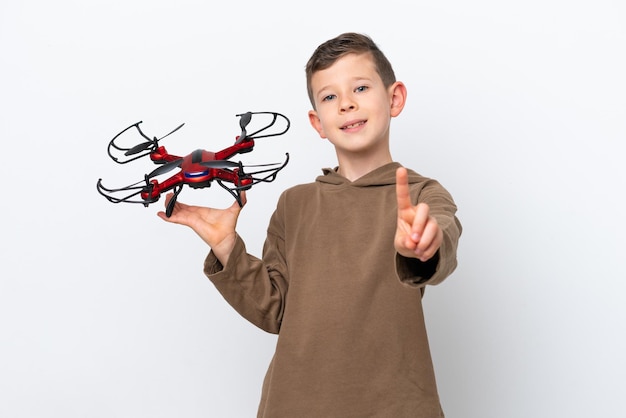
431 242
161 214
419 221
402 189
429 235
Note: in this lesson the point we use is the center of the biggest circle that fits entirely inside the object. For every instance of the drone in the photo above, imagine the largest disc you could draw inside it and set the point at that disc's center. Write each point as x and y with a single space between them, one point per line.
199 168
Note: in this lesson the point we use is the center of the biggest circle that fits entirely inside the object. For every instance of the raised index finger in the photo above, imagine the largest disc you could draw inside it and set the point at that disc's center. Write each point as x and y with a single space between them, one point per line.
402 189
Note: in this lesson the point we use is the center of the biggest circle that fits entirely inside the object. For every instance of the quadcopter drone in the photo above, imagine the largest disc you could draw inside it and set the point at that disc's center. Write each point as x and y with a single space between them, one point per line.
197 169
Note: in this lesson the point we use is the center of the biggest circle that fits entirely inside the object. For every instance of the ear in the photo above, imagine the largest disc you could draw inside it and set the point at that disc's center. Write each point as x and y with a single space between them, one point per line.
397 94
316 123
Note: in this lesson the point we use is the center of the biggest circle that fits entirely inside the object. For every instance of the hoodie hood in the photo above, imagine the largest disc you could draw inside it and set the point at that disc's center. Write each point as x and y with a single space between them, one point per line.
382 176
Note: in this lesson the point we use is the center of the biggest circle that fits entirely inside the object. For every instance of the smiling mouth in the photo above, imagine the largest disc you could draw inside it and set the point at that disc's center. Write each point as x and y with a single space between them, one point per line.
353 125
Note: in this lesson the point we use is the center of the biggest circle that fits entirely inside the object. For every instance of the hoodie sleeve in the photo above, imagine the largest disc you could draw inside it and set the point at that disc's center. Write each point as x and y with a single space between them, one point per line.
253 287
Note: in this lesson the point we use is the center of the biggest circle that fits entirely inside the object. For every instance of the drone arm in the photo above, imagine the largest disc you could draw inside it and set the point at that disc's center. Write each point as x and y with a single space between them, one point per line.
161 156
158 189
239 148
144 192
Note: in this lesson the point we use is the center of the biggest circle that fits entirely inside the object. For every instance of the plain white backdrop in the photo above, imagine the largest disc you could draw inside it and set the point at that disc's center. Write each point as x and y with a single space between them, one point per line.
518 108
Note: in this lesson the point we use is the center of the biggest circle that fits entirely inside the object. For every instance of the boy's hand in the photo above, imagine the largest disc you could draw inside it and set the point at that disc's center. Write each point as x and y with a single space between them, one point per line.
216 227
418 234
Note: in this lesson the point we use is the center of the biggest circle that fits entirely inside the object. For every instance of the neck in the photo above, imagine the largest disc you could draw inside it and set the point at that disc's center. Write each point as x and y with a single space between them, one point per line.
355 167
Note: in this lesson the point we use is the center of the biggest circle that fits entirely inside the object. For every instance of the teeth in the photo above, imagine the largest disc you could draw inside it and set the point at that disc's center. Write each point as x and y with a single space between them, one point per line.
354 125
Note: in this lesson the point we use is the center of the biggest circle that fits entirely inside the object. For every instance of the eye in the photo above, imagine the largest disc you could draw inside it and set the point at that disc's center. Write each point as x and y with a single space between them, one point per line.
328 97
361 89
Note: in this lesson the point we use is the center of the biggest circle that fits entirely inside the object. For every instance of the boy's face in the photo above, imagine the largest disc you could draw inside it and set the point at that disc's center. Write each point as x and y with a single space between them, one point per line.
353 107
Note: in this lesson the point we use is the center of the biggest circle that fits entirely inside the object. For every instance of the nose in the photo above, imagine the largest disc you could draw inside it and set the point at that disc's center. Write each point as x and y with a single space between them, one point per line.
347 104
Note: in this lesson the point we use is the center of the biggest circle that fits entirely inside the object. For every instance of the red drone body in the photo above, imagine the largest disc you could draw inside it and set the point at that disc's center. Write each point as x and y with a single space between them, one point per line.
196 175
197 169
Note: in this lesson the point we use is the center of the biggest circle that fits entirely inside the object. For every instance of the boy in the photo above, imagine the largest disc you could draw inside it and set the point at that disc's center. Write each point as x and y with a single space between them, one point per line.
346 258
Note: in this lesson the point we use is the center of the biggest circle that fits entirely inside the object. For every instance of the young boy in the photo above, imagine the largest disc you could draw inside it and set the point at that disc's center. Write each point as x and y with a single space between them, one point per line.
346 258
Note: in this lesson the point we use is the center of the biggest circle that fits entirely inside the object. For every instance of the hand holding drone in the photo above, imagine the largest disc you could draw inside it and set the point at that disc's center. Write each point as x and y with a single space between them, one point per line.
197 169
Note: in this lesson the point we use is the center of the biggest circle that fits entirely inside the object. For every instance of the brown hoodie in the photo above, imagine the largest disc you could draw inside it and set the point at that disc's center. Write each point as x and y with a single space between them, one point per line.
346 307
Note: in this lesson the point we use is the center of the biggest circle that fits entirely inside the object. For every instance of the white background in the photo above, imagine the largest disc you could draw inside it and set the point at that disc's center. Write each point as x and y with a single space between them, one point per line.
518 108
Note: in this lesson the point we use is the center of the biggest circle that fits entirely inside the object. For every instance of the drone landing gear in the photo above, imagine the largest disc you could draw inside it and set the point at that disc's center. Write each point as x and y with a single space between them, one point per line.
170 205
234 191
